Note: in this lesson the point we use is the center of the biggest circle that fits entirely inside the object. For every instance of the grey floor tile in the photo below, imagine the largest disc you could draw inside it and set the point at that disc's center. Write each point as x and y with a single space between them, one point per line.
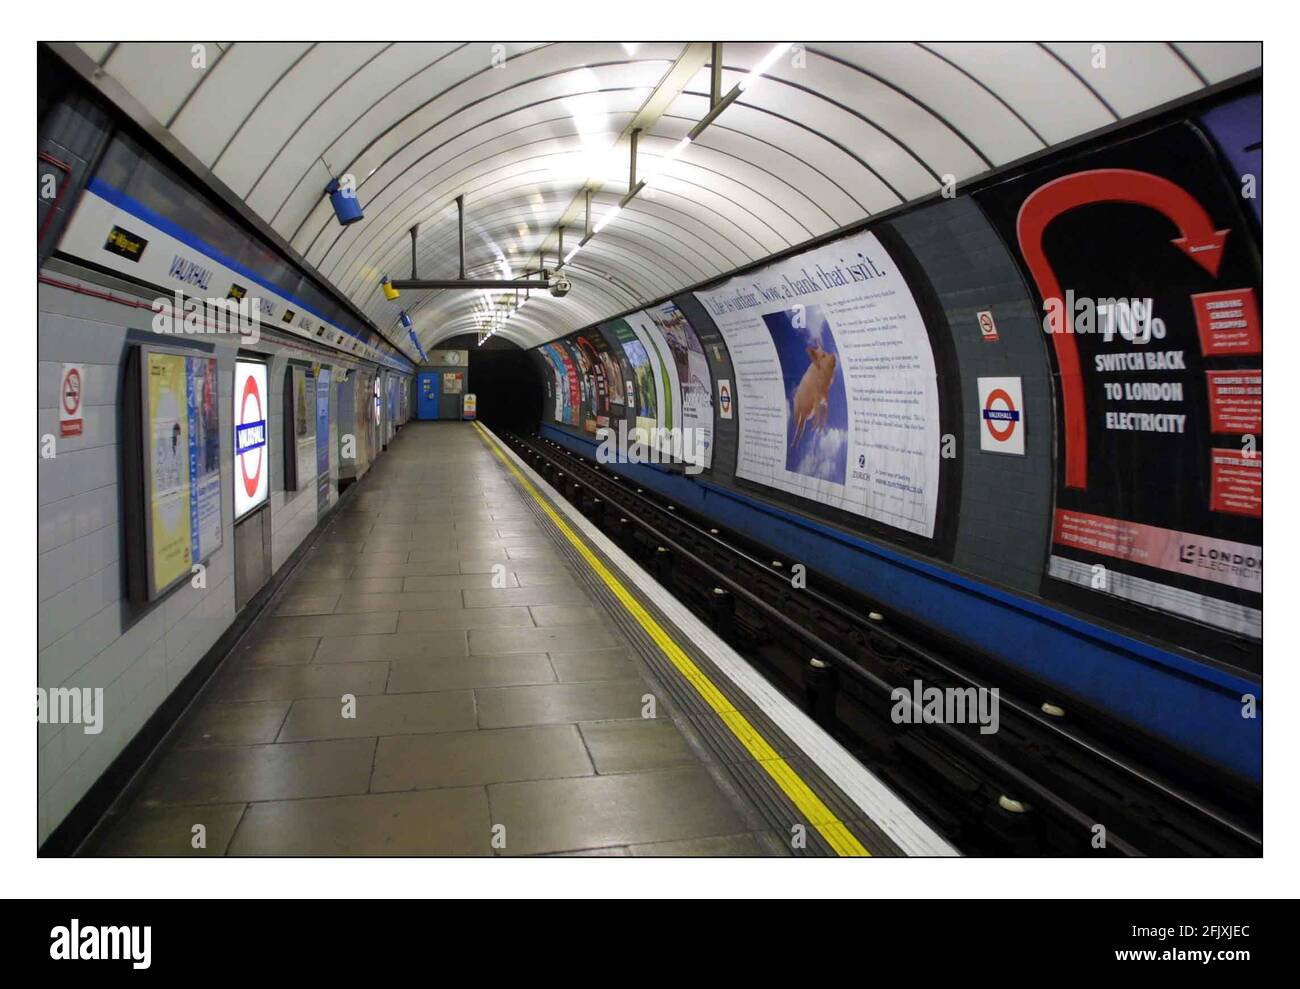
520 552
334 569
456 582
320 625
721 846
271 683
602 811
260 772
636 746
560 638
306 604
276 652
464 618
614 852
342 554
397 646
383 714
505 597
412 601
520 530
478 564
421 822
169 831
232 723
421 569
596 664
443 552
477 757
560 703
568 614
360 585
544 578
457 673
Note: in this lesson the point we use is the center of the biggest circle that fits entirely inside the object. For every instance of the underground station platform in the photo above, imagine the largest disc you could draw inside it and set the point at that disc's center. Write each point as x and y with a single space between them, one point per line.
461 664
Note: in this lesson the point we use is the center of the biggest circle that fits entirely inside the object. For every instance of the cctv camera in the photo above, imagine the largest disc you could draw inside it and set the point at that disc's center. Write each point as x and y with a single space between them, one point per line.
560 286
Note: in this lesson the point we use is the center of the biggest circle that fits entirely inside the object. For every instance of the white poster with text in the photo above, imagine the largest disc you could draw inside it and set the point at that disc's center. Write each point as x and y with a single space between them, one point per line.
836 381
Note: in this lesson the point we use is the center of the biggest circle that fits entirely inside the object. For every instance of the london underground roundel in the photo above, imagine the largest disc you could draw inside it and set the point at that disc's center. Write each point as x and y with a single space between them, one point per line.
252 460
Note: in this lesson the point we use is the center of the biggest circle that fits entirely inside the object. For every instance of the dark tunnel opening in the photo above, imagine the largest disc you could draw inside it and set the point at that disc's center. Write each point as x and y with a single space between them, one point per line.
505 380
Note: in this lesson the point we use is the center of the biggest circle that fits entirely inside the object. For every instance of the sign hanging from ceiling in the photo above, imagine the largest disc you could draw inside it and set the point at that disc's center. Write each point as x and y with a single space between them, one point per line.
252 460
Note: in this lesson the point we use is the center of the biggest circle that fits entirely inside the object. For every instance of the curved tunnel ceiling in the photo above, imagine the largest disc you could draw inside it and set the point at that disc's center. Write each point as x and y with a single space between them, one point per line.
521 130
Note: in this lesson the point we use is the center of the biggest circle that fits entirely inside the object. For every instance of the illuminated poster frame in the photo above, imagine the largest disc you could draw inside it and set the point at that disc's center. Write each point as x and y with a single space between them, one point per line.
251 436
181 471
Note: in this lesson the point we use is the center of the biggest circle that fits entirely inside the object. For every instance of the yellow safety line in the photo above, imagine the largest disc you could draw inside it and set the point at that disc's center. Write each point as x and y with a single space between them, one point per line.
840 838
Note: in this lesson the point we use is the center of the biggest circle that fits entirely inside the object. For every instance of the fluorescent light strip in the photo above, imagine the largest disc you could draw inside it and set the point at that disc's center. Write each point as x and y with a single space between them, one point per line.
764 64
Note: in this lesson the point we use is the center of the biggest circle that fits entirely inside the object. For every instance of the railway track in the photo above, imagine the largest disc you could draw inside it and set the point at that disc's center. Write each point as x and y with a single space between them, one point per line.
1055 778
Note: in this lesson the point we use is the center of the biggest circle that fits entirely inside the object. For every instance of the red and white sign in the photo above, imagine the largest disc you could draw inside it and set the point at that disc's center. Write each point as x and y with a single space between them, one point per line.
71 384
1236 401
1002 416
1220 560
1228 322
1237 482
252 449
988 328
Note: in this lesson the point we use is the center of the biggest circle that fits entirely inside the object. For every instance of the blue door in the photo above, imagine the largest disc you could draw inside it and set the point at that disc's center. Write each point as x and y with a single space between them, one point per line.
428 393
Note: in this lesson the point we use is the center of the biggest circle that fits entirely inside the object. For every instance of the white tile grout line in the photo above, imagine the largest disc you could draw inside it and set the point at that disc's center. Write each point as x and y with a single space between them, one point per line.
877 802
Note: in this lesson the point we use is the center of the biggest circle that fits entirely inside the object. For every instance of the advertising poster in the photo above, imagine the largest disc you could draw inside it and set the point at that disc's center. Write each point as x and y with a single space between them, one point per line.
167 421
694 382
836 378
304 433
183 463
1148 276
568 399
667 390
252 439
204 429
360 384
560 387
643 385
593 369
323 439
586 385
613 373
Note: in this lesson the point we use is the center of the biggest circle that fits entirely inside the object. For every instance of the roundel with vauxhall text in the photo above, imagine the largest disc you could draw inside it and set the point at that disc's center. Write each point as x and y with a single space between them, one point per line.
252 463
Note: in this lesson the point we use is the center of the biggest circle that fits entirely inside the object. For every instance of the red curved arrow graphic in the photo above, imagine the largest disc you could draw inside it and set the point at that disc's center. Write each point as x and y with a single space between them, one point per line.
1199 241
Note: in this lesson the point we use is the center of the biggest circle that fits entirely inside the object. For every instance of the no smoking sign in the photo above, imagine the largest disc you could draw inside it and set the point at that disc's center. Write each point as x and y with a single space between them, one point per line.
71 386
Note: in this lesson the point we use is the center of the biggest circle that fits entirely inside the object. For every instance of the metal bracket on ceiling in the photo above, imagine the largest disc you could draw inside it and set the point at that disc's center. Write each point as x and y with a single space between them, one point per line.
416 282
715 75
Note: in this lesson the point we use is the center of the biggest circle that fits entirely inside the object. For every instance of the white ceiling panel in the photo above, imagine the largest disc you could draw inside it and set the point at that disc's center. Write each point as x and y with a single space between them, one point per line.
230 89
830 134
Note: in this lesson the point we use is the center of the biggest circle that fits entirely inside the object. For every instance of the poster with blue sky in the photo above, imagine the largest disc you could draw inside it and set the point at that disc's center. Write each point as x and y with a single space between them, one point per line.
836 380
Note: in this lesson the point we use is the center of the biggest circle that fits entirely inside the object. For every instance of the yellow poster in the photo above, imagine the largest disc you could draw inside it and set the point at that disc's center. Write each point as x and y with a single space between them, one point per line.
169 469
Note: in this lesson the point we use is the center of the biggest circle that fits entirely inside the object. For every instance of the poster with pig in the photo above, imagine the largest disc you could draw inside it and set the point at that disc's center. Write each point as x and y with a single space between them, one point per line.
836 378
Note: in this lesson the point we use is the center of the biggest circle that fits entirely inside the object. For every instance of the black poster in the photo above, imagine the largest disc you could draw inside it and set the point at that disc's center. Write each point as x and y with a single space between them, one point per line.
1147 270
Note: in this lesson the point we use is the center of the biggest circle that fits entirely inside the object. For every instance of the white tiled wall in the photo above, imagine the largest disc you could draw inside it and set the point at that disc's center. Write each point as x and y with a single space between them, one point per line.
86 636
